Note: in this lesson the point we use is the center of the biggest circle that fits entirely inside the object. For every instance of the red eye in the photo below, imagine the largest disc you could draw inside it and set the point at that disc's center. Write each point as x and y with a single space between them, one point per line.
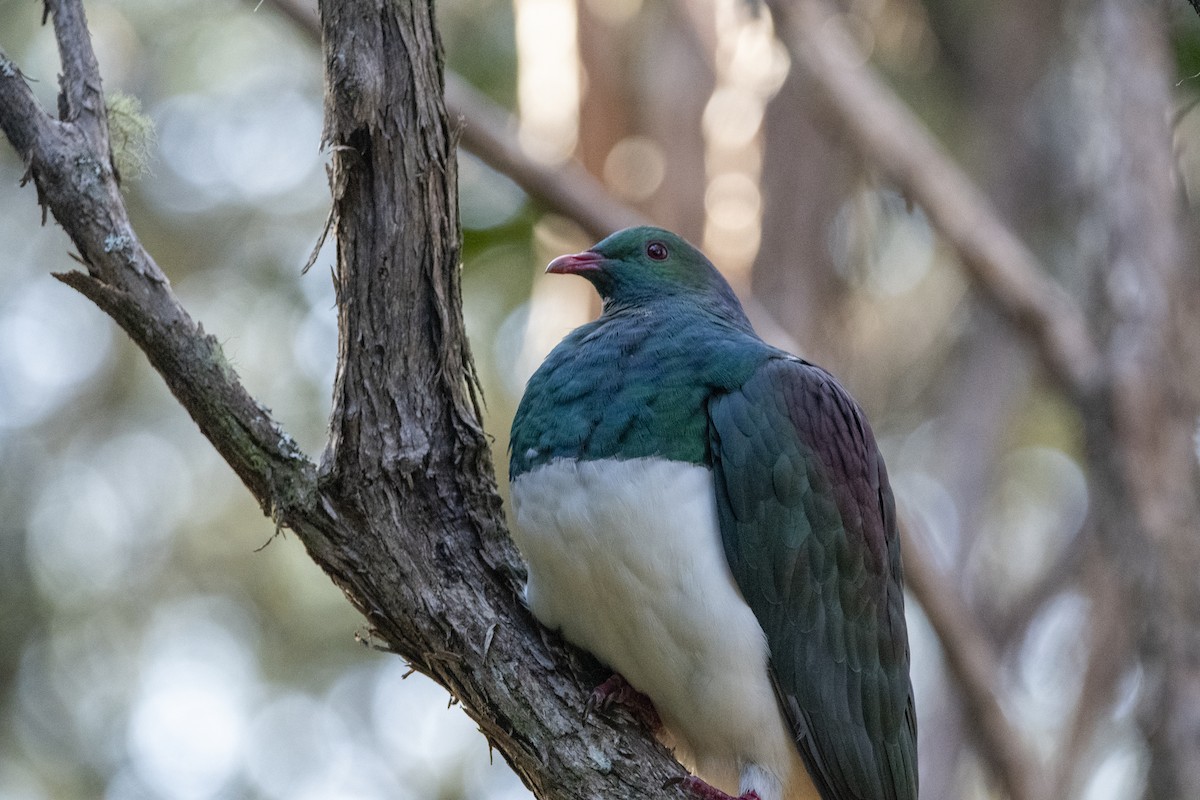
657 251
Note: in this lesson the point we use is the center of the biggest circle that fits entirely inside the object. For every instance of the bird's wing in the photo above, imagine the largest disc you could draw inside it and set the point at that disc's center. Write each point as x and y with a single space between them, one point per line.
808 524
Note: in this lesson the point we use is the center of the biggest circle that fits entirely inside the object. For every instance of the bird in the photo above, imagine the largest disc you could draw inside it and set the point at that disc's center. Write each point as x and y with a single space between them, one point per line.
710 516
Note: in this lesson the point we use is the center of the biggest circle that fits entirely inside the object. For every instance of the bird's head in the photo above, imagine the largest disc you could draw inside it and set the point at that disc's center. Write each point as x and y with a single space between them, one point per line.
635 266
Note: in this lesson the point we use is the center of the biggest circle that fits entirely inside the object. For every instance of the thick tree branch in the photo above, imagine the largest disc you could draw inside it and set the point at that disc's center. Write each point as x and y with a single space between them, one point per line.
892 139
407 458
1140 441
21 118
403 515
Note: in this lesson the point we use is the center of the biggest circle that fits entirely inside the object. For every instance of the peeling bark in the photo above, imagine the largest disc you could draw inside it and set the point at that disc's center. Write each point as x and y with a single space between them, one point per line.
402 512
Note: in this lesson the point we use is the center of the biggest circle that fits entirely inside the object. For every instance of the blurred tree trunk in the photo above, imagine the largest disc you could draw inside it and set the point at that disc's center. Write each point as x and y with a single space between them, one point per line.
608 108
1141 430
1125 357
649 76
1003 53
808 176
806 179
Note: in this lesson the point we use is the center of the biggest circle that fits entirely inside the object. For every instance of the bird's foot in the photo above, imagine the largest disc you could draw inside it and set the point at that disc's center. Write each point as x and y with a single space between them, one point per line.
616 691
698 789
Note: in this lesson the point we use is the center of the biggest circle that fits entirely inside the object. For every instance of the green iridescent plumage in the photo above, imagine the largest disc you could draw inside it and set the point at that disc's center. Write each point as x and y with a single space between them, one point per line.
636 381
808 523
672 369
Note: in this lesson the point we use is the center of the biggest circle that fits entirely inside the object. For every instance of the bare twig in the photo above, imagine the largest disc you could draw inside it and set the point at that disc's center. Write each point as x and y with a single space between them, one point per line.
891 138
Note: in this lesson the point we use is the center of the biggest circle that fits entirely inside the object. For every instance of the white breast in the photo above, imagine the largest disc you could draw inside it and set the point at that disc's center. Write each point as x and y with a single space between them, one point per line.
626 558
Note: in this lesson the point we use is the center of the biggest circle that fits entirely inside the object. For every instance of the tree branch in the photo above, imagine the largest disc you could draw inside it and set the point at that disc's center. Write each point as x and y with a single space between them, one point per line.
568 189
1108 660
21 118
973 662
891 138
80 99
69 163
403 513
407 458
1140 442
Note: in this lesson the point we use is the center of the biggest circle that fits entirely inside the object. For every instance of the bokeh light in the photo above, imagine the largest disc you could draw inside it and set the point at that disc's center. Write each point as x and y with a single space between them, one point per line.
51 341
548 86
188 723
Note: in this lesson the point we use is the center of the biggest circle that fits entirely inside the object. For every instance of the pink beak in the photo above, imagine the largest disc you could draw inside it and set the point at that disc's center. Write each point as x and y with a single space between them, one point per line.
576 263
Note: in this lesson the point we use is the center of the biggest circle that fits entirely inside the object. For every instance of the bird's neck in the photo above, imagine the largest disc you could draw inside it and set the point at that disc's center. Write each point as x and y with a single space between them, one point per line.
716 309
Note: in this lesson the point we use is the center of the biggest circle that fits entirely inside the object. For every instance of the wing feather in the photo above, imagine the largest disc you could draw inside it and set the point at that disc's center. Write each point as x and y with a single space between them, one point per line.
808 524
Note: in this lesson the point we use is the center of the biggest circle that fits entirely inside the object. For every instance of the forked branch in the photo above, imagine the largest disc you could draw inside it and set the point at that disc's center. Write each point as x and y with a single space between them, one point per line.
404 516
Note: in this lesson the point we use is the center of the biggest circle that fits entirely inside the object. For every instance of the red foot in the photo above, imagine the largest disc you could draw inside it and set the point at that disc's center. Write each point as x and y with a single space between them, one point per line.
691 785
616 691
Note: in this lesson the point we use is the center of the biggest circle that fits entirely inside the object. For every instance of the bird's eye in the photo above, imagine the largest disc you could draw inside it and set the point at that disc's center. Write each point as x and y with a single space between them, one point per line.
657 251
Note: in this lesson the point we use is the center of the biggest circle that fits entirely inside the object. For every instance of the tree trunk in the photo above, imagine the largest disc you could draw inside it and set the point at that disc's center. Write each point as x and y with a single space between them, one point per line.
429 562
1141 429
402 513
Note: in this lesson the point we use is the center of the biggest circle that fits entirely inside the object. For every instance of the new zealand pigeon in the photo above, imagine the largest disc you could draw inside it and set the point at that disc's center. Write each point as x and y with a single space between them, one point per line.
710 516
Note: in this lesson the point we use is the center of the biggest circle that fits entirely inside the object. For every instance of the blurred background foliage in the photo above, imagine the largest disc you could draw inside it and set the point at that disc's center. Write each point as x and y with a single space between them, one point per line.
158 639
